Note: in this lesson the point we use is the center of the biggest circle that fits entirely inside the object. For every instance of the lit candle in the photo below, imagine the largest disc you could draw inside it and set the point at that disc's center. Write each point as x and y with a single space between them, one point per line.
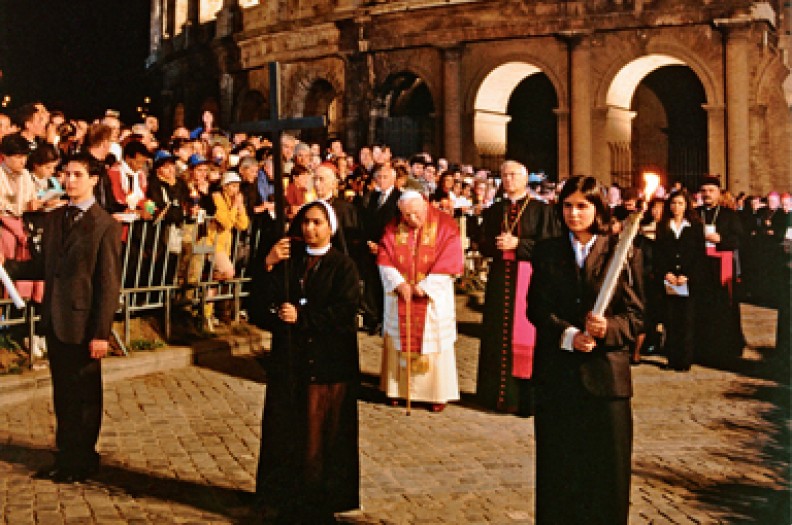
630 230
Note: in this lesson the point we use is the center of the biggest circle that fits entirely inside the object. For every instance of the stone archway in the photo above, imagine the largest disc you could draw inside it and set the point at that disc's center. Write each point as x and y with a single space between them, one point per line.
321 100
252 105
655 120
406 115
497 102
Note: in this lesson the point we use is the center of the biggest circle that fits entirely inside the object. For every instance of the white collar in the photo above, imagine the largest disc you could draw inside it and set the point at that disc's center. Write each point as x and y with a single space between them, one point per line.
581 250
678 229
318 252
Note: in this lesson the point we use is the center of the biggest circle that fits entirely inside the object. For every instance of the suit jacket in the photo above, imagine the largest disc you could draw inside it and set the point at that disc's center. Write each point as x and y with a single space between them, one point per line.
81 269
684 256
350 235
377 217
560 296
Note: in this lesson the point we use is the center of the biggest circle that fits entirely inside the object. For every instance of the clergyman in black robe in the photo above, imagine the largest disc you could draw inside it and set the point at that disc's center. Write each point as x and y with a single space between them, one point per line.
529 220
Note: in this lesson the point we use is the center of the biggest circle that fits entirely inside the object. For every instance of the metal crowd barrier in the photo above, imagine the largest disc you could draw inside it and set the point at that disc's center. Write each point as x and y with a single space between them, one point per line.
148 275
10 316
152 274
210 289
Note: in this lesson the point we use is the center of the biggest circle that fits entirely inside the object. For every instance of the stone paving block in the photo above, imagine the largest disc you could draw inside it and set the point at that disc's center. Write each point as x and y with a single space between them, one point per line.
710 447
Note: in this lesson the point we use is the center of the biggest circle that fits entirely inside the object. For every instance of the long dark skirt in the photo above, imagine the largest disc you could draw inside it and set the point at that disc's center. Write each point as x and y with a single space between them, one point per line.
309 466
583 456
680 324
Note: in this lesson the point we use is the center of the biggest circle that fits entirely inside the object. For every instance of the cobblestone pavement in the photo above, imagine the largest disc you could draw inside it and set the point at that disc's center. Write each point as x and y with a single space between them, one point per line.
711 446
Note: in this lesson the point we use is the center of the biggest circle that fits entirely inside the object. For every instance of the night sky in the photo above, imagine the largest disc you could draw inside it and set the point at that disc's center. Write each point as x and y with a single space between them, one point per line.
80 56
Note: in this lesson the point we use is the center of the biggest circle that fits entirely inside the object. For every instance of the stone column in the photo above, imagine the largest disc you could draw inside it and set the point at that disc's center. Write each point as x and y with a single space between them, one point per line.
737 114
193 25
194 12
759 180
170 19
562 120
155 27
716 138
227 19
579 80
452 107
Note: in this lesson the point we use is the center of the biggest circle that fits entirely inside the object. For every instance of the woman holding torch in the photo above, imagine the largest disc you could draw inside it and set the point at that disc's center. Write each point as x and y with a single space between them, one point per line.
582 363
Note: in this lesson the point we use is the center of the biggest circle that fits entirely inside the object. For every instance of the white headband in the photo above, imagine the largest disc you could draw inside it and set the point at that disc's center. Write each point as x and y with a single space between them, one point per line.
331 214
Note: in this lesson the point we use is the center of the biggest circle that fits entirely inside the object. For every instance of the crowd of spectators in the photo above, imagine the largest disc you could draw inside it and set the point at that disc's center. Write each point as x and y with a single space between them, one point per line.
205 184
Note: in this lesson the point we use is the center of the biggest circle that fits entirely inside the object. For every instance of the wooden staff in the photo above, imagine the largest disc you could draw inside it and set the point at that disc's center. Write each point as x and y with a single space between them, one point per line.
407 343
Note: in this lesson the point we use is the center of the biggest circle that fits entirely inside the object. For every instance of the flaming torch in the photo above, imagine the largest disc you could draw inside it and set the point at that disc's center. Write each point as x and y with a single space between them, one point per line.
630 230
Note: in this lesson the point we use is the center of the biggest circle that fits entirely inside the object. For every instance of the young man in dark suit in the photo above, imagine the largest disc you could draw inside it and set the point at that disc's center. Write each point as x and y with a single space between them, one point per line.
382 208
80 265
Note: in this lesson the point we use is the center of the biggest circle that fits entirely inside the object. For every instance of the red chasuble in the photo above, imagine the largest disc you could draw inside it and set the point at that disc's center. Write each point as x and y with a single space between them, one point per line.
434 248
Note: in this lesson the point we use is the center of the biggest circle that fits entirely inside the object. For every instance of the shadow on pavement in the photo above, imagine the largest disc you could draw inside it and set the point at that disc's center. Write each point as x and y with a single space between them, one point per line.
222 359
231 503
756 487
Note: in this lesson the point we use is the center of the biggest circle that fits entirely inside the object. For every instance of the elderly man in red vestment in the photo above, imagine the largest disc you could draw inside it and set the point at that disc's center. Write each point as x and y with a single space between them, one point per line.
418 257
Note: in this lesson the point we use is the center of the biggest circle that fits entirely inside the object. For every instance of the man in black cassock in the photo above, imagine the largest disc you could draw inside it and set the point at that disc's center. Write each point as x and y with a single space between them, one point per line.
720 338
511 228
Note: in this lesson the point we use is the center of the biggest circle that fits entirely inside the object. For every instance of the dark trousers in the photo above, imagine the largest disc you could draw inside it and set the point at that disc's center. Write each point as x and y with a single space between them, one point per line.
583 457
77 396
373 298
680 322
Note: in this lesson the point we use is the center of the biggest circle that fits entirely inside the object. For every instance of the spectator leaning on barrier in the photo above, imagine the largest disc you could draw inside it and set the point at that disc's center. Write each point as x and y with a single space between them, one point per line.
230 215
98 140
43 164
129 178
17 188
169 193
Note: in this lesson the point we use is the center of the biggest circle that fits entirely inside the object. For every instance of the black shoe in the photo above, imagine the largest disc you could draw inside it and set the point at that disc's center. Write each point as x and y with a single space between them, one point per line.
47 472
62 475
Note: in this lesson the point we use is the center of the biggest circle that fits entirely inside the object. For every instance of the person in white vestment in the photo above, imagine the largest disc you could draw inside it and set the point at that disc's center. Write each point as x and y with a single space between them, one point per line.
419 256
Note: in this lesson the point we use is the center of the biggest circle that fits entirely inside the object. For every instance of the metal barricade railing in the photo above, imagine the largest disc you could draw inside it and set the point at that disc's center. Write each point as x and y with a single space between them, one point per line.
211 289
11 316
148 276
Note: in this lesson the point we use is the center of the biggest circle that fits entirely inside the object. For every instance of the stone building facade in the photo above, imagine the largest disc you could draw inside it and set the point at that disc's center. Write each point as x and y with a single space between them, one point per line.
603 87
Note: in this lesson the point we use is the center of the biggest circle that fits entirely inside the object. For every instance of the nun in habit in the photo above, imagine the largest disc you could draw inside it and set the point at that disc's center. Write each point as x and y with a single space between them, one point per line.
309 461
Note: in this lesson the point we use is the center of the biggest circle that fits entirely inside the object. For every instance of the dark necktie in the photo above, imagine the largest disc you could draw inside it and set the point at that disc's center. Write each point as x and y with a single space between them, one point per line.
73 214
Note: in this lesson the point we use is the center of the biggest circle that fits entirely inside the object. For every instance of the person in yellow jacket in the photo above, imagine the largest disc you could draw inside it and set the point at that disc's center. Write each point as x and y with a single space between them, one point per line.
230 215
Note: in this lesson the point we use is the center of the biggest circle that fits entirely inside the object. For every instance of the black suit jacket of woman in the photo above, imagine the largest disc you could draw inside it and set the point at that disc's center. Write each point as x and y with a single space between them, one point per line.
560 296
683 256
